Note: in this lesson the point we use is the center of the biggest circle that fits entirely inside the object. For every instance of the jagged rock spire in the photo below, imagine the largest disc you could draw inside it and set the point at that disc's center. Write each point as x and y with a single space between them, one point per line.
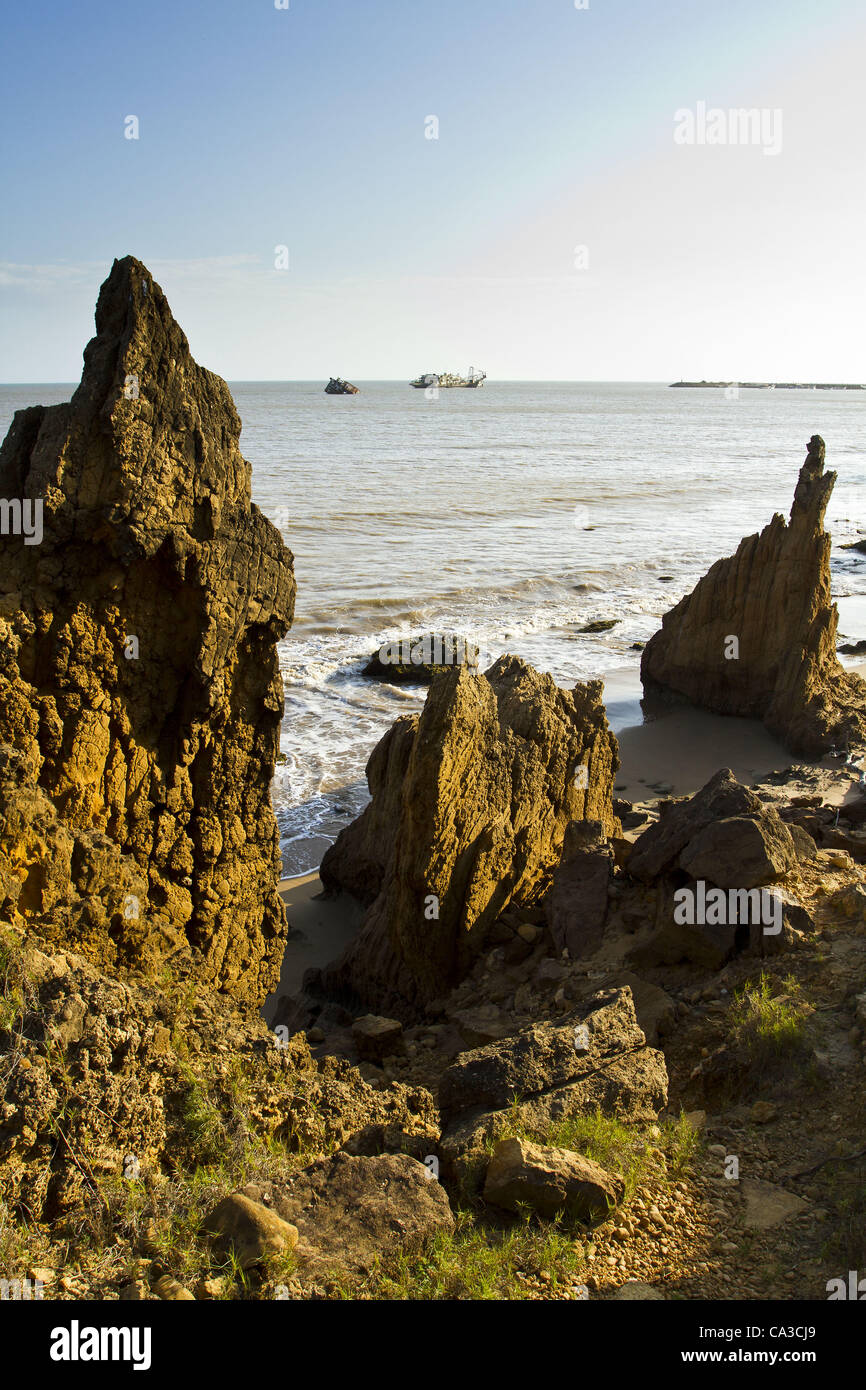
757 635
138 663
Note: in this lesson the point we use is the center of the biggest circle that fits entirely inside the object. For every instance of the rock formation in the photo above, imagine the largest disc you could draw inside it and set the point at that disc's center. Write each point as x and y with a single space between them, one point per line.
773 597
470 802
594 1059
696 834
139 680
351 1210
725 837
416 660
550 1181
576 906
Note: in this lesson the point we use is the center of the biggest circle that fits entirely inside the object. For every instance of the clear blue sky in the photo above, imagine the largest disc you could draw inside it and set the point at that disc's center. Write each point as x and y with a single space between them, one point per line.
306 127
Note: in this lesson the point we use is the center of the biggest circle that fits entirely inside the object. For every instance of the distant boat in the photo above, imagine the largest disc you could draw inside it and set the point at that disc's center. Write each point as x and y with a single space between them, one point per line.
338 387
446 379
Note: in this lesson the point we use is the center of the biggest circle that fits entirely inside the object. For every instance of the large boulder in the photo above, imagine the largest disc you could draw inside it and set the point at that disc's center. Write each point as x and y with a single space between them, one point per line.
376 1038
350 1212
657 850
138 647
655 1010
470 802
596 1059
550 1181
742 852
757 636
248 1229
724 834
416 660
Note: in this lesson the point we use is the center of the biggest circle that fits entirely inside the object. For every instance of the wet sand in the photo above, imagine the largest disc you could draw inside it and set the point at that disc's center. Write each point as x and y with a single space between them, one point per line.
678 751
319 930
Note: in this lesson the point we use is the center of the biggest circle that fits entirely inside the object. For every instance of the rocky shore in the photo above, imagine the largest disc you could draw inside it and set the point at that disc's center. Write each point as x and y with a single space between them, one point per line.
578 1047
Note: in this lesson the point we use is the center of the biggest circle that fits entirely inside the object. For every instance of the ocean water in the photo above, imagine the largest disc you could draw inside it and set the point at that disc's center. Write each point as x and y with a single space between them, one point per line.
516 514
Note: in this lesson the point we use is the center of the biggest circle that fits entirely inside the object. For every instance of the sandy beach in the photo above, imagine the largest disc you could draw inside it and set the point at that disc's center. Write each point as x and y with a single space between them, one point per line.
676 752
319 929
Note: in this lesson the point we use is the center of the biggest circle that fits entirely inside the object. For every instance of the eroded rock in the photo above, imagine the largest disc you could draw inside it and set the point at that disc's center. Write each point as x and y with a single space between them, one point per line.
551 1181
138 663
470 804
597 1058
353 1211
773 599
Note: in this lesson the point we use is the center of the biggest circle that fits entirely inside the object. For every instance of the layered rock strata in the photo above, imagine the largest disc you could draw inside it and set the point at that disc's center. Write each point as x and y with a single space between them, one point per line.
593 1059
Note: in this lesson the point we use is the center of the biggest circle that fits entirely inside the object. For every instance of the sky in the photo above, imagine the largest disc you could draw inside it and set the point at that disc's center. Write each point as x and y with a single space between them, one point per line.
560 225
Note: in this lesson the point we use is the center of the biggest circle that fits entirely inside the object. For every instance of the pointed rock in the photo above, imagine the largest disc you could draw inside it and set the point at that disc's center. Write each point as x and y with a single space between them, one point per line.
138 661
470 802
773 597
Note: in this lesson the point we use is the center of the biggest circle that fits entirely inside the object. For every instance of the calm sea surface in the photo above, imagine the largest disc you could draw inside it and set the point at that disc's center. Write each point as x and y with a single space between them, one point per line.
516 514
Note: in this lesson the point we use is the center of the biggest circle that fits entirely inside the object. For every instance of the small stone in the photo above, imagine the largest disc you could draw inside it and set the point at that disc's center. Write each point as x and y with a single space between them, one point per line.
212 1288
39 1274
527 932
250 1229
376 1037
315 1035
763 1111
171 1291
136 1292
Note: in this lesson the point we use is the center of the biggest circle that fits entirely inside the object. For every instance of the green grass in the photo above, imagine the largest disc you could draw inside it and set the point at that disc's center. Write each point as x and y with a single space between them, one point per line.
769 1020
475 1262
12 983
620 1148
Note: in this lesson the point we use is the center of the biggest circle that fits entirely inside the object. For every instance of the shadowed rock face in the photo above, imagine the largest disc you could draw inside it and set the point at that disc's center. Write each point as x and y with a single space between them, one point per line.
773 595
138 664
470 804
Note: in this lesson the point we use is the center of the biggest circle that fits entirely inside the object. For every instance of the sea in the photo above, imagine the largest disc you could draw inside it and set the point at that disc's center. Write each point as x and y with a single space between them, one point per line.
516 514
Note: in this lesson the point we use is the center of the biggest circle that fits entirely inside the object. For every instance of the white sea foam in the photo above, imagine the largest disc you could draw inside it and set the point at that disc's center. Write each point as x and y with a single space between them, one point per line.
515 516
